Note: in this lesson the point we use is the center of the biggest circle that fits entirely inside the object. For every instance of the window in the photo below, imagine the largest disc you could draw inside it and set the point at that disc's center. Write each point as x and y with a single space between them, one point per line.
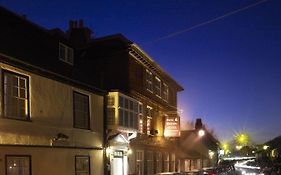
149 163
128 112
16 96
165 92
166 162
65 53
82 165
157 87
173 162
18 165
148 119
140 117
158 157
149 79
139 162
81 111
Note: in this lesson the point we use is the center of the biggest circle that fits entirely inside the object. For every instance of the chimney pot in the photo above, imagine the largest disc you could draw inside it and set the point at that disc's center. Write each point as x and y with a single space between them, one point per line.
198 124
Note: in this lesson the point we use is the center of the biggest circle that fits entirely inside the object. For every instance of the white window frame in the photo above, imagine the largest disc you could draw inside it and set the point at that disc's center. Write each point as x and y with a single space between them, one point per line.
157 87
18 164
68 56
14 91
128 111
149 81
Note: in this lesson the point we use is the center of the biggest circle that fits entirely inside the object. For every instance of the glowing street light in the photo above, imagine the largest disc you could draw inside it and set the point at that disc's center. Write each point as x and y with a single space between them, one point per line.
201 133
238 147
265 147
242 139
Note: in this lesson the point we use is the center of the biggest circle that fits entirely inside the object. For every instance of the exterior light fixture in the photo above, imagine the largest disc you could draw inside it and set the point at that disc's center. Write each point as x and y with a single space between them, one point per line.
130 151
238 147
108 151
211 154
265 147
201 133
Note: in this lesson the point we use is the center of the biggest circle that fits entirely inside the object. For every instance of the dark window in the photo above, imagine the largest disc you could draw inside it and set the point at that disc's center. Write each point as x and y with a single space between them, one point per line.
148 81
65 53
81 111
16 96
18 165
165 92
157 87
82 165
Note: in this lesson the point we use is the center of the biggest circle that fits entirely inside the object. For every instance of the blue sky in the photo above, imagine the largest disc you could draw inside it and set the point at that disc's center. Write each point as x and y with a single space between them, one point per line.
230 68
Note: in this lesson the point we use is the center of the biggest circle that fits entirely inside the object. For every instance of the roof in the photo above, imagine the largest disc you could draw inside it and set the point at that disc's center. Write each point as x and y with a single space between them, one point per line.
191 137
113 44
36 50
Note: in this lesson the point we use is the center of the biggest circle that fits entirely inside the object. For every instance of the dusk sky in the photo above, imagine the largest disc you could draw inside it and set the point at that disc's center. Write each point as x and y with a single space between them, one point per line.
225 53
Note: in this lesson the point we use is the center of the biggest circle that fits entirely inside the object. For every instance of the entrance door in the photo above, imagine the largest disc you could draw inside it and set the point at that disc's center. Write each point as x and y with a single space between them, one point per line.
117 164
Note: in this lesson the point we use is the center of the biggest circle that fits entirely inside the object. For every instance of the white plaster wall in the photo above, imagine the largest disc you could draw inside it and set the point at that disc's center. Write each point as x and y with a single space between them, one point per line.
54 161
51 112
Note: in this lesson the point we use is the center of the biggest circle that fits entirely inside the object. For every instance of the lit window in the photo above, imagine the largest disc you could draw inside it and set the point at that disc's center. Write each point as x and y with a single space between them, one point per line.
128 112
82 165
165 92
65 54
157 87
16 96
148 119
149 79
81 111
140 117
18 165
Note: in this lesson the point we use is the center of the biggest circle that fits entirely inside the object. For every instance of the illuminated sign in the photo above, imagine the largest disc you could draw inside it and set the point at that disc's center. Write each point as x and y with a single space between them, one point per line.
172 126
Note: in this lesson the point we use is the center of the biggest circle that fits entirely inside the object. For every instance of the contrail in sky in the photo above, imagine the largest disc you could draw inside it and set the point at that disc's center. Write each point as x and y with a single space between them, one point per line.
206 22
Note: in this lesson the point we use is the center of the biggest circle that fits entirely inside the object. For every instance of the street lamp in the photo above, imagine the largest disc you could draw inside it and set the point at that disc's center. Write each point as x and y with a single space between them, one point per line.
265 147
201 133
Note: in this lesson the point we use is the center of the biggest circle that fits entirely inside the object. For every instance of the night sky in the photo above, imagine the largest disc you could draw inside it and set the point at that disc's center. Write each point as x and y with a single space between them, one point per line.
226 54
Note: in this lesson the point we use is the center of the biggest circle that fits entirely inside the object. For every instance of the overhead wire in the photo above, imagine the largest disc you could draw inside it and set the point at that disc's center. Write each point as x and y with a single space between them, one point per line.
206 22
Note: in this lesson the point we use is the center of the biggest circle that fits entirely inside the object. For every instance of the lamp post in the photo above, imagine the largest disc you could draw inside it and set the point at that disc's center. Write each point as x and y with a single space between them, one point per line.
201 133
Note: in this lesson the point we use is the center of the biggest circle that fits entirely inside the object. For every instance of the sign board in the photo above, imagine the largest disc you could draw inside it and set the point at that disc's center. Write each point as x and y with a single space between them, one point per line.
172 126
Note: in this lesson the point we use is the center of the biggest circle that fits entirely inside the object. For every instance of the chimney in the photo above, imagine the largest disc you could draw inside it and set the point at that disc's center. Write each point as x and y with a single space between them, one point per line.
79 35
198 124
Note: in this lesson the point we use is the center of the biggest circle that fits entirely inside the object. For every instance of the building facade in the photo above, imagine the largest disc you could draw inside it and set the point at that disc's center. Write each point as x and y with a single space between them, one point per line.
142 115
51 116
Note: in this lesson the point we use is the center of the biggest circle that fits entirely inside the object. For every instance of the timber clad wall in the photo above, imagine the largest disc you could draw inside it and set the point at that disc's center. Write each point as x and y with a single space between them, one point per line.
137 83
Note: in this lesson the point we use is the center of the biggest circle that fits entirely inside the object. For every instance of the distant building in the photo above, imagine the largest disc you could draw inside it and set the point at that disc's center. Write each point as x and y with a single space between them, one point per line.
51 113
197 151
